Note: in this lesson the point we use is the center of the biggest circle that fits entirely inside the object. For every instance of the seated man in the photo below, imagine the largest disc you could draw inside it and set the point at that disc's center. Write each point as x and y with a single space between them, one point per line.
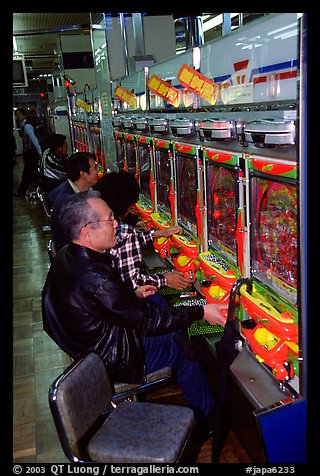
82 174
86 306
120 190
54 163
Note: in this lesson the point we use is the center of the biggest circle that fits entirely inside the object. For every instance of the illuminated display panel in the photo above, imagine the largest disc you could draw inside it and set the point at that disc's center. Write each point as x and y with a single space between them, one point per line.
187 192
131 157
119 155
222 209
163 176
144 171
274 235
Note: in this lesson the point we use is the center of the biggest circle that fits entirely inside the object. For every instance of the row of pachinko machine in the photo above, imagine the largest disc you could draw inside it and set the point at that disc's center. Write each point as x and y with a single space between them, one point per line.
87 137
233 188
231 171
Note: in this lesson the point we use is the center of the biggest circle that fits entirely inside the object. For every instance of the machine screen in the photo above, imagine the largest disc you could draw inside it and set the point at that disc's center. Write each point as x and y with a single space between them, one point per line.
274 235
144 170
131 157
119 155
163 179
187 191
222 209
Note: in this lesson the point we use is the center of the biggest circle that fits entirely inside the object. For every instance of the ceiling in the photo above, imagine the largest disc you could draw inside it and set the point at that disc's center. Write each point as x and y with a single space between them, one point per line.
37 36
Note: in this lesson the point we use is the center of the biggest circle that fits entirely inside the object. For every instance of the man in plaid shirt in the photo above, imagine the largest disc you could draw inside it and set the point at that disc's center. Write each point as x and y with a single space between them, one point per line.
120 190
128 258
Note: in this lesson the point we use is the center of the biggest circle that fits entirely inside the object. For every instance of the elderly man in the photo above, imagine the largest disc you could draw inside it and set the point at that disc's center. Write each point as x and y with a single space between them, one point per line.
86 306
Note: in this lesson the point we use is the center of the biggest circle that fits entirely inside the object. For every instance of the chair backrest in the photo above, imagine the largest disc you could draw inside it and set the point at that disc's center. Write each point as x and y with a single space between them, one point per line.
44 202
77 399
51 248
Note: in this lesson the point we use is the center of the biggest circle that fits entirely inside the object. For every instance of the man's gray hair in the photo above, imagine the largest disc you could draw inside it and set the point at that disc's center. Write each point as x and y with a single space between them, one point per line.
76 213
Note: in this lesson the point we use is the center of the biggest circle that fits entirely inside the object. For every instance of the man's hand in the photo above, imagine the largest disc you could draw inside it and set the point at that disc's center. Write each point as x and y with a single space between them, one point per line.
145 291
166 232
175 279
216 313
142 226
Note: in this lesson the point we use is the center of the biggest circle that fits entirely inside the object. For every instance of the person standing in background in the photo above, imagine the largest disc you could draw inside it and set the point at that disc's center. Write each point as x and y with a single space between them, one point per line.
14 152
31 153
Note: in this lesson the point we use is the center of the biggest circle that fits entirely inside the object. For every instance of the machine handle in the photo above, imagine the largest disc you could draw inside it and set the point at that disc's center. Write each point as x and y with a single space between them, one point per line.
233 293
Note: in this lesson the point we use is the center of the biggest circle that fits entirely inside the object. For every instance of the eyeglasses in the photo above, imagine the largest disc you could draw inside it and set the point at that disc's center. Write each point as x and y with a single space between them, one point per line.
111 220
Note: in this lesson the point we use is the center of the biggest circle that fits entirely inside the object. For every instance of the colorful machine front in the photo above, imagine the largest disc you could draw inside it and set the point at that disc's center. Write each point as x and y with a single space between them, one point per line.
220 261
190 207
96 145
164 214
272 304
130 154
145 206
119 145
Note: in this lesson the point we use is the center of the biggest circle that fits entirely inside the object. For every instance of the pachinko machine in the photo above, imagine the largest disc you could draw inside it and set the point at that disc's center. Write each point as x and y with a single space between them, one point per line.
120 152
222 260
272 303
165 196
145 176
189 208
130 154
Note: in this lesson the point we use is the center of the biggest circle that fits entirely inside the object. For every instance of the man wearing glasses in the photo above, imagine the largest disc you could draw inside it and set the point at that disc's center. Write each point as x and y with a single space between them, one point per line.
86 306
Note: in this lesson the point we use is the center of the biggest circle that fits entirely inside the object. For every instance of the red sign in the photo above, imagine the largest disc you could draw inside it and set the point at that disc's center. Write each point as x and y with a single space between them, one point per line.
198 83
164 89
126 96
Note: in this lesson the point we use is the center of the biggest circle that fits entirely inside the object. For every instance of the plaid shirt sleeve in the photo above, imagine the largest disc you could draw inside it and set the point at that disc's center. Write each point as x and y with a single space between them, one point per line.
127 258
144 237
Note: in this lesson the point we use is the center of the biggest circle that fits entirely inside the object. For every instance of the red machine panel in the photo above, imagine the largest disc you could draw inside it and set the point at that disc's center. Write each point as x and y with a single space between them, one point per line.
272 305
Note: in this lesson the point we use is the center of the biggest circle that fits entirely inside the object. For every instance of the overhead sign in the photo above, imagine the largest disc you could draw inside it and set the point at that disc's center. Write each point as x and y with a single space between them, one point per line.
126 96
164 89
83 105
198 83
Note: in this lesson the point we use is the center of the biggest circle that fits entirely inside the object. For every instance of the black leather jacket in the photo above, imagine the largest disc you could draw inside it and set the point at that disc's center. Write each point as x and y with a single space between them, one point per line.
86 306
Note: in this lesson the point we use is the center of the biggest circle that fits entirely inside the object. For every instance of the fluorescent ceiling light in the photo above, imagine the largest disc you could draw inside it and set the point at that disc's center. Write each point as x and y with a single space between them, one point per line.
288 34
282 28
216 21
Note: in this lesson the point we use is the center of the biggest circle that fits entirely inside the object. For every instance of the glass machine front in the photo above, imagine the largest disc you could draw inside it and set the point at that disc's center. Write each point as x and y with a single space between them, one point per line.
272 304
163 182
274 235
221 193
187 188
119 145
130 154
145 170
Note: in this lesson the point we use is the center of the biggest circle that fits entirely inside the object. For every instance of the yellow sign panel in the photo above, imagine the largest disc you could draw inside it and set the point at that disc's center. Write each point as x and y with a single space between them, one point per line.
164 89
126 96
83 105
198 83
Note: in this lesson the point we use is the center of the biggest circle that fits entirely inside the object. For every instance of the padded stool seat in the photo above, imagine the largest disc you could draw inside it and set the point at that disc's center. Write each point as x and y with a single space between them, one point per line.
142 432
92 428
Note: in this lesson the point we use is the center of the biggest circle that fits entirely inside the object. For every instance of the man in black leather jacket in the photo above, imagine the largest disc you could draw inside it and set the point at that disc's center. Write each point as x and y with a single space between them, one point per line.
86 306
